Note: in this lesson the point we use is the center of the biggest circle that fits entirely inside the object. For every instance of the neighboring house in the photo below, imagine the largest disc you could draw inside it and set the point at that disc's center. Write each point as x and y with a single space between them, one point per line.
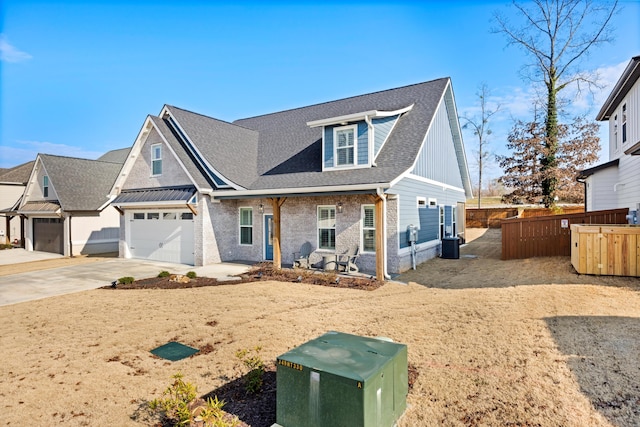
356 171
616 183
12 184
66 205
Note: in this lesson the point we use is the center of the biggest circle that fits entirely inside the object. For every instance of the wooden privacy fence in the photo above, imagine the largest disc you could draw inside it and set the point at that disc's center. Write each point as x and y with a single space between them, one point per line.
488 217
549 235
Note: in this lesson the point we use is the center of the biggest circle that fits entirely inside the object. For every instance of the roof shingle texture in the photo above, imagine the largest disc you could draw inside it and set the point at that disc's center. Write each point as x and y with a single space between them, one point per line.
231 150
18 174
81 184
279 150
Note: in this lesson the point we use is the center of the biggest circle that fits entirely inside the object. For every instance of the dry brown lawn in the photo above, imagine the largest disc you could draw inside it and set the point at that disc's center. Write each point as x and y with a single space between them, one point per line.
496 343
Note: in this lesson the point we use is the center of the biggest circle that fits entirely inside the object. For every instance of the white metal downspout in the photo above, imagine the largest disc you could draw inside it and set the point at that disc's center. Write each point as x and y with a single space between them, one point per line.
380 194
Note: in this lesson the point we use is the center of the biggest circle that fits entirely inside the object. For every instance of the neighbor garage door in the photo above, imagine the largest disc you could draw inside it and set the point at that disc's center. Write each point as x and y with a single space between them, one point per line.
48 235
162 236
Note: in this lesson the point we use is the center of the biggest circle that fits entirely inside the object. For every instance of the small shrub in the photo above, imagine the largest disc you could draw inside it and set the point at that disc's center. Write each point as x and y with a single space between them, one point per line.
164 273
191 274
256 368
181 407
127 280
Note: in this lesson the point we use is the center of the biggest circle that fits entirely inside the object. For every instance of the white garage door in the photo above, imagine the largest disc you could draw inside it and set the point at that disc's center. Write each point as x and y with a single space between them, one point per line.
162 236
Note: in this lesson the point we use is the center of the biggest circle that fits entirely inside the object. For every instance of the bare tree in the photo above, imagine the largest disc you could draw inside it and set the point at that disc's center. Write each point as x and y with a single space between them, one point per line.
557 35
522 169
479 123
578 145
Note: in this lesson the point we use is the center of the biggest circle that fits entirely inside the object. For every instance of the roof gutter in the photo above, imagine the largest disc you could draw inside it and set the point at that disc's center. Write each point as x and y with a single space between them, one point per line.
234 194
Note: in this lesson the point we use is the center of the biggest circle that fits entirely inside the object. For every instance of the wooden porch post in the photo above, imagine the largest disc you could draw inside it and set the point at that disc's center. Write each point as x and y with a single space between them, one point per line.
380 255
276 203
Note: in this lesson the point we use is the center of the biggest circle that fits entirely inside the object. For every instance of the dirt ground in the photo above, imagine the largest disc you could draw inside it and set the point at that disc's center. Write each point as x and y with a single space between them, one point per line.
495 343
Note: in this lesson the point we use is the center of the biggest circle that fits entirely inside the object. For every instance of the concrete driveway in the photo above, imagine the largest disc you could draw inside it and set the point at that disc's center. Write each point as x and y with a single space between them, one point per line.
34 285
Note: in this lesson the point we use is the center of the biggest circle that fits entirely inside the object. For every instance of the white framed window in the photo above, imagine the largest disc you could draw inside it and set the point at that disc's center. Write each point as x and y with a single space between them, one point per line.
624 123
169 216
138 215
433 202
344 143
153 215
368 228
441 221
156 159
327 227
422 202
45 186
185 216
246 226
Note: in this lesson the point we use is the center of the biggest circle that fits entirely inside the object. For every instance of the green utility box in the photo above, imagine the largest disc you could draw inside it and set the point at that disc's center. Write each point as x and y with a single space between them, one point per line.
345 380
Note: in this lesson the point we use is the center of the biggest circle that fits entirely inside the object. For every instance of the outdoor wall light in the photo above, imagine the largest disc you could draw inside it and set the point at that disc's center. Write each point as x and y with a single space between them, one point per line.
261 208
339 207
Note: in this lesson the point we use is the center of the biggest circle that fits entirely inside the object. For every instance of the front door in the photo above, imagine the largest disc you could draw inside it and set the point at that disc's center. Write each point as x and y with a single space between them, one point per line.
268 237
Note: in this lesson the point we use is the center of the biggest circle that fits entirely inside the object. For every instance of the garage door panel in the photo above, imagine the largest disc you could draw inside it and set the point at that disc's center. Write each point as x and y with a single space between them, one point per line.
48 235
168 238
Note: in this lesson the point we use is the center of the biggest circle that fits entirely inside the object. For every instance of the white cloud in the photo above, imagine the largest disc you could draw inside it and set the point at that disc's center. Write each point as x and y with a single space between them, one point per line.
25 151
9 53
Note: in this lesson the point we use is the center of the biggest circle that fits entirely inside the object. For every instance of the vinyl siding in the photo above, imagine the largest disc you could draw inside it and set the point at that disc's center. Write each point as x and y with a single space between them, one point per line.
408 190
437 159
363 143
382 128
600 194
629 175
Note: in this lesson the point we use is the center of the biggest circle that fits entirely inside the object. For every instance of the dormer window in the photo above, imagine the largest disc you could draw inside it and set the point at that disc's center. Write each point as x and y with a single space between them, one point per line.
345 138
45 186
156 159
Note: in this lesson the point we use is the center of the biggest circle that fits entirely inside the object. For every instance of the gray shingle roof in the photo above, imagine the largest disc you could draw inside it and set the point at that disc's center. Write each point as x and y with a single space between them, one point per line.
232 150
81 184
18 174
279 150
115 156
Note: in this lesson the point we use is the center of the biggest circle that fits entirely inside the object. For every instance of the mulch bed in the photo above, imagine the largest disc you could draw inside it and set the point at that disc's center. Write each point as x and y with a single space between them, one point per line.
260 272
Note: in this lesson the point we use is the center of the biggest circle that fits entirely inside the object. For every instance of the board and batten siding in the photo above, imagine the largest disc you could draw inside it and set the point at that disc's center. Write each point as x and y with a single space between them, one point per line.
408 190
437 160
632 101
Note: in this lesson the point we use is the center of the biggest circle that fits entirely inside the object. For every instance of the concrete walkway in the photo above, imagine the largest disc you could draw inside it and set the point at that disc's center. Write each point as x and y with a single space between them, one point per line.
34 285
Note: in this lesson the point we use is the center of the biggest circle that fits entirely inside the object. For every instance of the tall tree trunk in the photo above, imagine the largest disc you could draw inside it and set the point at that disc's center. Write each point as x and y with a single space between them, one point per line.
549 161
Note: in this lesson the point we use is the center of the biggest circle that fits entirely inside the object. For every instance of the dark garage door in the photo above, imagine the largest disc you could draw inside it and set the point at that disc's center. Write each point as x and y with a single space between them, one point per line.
48 235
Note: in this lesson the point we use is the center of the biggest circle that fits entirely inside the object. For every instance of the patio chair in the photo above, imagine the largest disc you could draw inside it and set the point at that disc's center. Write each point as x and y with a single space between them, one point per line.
347 260
301 258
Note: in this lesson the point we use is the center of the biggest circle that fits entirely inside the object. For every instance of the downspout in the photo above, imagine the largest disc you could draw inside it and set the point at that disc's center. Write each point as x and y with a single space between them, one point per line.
380 194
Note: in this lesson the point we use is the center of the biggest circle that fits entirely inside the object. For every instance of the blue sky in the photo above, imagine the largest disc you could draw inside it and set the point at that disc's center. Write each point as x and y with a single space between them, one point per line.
78 78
